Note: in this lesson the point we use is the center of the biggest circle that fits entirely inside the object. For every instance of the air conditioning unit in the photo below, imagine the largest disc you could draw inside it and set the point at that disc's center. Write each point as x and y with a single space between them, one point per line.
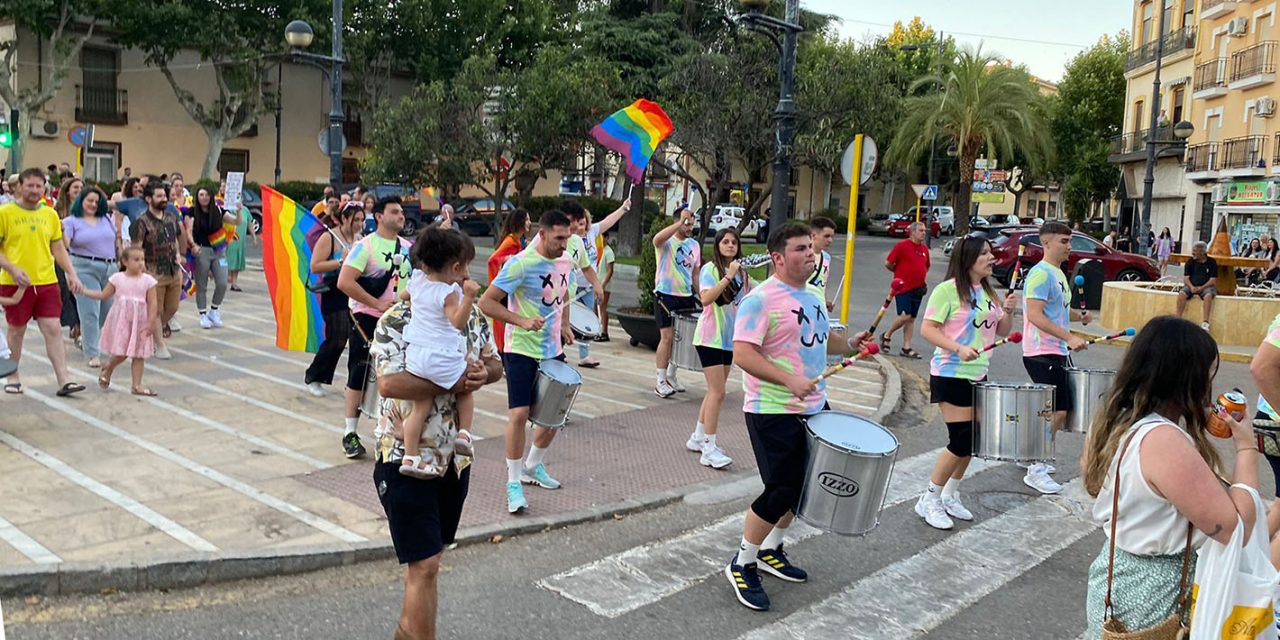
45 128
1238 27
1265 107
1220 193
1273 193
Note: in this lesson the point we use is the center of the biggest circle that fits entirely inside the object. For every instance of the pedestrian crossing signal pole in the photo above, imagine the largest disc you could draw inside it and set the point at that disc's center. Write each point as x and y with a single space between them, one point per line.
852 230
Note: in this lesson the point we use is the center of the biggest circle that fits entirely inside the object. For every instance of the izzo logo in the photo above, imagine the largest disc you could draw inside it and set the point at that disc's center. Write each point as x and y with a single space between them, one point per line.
838 485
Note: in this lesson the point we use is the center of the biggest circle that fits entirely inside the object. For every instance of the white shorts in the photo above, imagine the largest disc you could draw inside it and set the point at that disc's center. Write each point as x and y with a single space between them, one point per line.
441 368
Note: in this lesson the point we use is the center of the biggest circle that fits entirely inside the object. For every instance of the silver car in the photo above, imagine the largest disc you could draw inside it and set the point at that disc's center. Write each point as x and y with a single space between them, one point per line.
879 223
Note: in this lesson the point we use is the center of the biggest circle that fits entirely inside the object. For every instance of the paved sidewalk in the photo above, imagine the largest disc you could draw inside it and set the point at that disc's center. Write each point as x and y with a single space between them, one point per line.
1094 330
235 471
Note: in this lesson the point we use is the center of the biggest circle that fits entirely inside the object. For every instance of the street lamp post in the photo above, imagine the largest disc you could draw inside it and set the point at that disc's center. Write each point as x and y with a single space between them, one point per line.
785 113
1148 182
298 35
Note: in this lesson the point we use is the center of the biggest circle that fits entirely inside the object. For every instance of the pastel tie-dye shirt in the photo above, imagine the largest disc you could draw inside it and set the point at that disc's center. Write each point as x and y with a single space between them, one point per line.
535 286
715 325
1048 283
790 327
972 325
821 272
1273 339
677 260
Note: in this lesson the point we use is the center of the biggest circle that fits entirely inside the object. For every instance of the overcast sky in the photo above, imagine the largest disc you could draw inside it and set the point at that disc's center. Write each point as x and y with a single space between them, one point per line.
1042 34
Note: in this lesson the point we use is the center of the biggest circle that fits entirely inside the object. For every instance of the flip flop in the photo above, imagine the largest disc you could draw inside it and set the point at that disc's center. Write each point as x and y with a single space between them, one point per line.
13 388
589 365
144 392
166 332
69 388
909 353
104 381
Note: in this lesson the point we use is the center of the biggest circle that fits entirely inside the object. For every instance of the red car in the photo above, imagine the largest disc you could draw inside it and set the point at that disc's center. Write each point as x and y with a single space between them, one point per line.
1117 265
898 227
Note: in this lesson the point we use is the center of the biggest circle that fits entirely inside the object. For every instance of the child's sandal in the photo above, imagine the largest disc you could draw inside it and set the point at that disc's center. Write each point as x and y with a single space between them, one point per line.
412 466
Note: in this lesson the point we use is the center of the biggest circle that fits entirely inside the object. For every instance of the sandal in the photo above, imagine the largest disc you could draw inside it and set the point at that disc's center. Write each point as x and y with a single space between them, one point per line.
885 341
104 381
144 392
589 364
236 288
166 332
909 353
69 388
94 363
412 466
13 388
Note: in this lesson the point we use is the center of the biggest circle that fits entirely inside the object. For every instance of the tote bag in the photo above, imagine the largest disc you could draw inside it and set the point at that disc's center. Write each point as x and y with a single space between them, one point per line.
1233 597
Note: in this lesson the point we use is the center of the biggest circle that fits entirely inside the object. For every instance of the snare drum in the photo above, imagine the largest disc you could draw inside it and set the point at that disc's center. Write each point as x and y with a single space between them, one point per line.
1089 388
583 321
683 353
554 392
370 399
840 328
847 475
1014 422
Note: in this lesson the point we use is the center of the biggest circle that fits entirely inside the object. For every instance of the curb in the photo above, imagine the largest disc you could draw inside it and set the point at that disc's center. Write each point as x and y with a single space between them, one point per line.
1225 356
181 571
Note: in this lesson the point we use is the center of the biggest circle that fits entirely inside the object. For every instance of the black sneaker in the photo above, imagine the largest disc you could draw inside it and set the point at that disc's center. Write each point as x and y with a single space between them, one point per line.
351 445
775 563
746 585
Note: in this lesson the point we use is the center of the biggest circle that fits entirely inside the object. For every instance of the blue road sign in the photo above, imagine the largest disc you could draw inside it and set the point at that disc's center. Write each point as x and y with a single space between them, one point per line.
930 192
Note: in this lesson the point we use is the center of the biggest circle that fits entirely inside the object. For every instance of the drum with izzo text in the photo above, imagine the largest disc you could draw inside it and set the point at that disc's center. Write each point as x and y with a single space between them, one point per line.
847 476
553 393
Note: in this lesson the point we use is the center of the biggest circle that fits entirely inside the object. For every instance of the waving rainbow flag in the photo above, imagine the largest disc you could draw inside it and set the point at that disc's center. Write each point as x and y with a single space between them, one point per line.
286 259
635 132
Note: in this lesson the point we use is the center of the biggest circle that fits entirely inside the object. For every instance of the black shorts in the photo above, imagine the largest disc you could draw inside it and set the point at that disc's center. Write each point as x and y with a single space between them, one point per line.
953 391
422 515
669 305
358 350
1052 369
713 357
909 302
522 375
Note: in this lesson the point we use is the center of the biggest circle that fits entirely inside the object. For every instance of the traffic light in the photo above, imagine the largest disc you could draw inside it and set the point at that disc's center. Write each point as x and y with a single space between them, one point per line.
6 135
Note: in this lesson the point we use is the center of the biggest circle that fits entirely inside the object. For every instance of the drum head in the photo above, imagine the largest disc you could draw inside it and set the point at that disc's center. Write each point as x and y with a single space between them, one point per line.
583 320
1012 385
838 327
852 433
1107 372
560 372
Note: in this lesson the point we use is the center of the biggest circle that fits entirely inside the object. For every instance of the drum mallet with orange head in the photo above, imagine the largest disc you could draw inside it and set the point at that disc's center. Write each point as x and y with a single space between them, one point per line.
1127 332
1014 337
869 350
894 287
1017 268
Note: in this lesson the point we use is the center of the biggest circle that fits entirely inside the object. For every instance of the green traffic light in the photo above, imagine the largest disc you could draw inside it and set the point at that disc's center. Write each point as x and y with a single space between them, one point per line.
6 140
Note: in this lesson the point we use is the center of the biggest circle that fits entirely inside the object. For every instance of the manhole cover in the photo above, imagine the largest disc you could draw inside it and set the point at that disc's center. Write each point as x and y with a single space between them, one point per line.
1002 501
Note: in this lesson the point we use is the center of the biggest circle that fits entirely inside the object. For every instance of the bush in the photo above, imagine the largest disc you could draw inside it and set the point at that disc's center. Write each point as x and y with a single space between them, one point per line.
649 264
301 190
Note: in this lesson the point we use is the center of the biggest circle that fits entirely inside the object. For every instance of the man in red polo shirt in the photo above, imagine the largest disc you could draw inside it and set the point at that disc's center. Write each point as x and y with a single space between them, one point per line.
909 262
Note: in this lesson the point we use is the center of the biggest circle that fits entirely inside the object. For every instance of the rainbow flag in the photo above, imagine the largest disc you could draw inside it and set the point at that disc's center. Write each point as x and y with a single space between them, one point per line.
635 132
286 259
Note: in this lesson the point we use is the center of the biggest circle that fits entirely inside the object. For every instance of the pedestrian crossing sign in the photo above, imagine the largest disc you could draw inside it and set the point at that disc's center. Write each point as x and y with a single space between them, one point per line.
930 193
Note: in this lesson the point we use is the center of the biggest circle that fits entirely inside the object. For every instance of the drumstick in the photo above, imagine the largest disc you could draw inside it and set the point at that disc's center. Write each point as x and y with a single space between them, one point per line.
1017 268
869 350
1014 337
1127 332
894 285
560 305
1079 281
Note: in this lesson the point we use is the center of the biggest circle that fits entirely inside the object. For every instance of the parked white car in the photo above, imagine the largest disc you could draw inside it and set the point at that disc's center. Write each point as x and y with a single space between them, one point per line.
729 216
946 217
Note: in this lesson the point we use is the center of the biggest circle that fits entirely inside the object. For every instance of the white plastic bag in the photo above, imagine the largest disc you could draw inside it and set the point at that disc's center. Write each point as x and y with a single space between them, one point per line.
1235 587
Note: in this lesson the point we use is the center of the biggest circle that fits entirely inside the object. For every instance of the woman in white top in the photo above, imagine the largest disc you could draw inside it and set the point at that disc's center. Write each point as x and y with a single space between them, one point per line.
1170 472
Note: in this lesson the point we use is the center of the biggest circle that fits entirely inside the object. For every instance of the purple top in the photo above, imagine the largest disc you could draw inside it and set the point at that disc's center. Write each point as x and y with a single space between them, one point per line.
90 240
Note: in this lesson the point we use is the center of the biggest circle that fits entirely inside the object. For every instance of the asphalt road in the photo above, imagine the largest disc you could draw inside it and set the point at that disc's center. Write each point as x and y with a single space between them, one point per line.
1018 571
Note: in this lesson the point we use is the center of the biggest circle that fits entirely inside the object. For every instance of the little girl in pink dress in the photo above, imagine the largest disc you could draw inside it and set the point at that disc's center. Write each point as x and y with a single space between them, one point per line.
133 320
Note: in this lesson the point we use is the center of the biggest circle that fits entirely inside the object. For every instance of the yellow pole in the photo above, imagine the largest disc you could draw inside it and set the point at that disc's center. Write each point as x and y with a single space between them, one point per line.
917 208
856 174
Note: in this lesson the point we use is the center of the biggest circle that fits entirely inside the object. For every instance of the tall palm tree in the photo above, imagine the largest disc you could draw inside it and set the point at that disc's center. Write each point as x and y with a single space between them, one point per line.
978 104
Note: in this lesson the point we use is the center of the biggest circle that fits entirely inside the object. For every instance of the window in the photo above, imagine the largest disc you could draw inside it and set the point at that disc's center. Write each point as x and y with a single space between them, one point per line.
98 99
1188 13
233 160
1147 12
102 161
1083 244
1168 16
1137 116
1179 97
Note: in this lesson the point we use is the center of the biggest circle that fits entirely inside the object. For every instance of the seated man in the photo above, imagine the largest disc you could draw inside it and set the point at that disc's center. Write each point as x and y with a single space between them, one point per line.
1201 280
423 515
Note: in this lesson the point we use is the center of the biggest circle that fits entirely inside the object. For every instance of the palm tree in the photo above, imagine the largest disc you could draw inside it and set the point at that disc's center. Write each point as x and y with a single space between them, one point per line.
983 105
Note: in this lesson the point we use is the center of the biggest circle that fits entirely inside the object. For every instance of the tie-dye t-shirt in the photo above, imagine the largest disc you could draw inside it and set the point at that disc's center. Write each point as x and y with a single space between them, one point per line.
790 326
535 286
715 325
580 256
972 325
374 256
821 272
1273 339
1048 283
678 260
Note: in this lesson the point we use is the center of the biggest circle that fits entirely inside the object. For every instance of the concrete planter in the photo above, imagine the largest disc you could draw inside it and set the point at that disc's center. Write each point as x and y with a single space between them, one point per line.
640 325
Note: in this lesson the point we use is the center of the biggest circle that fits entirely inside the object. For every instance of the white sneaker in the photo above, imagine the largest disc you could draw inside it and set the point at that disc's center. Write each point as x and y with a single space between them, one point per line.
934 514
315 389
1040 467
715 458
675 384
216 318
694 443
205 321
956 510
1204 325
1040 481
162 353
174 326
664 390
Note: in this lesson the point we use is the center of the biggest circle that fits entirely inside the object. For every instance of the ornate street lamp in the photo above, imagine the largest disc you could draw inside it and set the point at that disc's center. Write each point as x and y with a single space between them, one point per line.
299 35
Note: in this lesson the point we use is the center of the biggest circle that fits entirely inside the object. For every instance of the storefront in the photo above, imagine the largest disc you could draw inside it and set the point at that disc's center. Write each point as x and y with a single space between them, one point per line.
1251 209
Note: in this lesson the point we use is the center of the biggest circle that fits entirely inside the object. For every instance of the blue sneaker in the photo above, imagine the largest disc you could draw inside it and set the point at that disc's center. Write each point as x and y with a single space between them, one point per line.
775 563
515 498
746 585
540 477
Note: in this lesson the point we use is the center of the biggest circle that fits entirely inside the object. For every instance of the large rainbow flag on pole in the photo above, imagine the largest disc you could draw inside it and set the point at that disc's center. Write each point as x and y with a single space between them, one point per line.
286 259
635 132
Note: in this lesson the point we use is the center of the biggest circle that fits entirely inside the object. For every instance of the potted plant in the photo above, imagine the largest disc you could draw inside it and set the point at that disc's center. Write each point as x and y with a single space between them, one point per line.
638 321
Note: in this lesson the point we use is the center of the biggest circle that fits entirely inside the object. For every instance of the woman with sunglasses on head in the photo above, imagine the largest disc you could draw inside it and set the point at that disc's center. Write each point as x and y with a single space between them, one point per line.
962 317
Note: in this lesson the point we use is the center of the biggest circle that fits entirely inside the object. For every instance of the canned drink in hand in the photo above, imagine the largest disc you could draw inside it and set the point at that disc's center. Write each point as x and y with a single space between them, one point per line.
1231 402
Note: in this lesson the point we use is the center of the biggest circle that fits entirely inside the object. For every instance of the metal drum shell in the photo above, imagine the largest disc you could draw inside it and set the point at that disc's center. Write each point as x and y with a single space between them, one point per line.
1089 389
583 321
370 399
554 391
845 482
843 330
683 353
1014 422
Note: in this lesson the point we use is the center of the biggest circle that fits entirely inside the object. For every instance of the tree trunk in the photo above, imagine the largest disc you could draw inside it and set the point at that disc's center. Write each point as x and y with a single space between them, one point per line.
217 138
1017 200
886 196
968 158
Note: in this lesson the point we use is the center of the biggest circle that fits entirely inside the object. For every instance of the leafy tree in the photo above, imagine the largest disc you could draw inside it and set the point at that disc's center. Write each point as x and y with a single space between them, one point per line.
983 106
67 25
1087 113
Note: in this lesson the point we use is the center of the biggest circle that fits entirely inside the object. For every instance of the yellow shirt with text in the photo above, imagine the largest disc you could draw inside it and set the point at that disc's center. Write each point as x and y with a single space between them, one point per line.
25 239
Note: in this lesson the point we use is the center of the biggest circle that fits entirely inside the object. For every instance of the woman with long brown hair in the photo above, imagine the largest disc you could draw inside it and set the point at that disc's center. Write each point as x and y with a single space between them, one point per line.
1153 427
341 232
204 222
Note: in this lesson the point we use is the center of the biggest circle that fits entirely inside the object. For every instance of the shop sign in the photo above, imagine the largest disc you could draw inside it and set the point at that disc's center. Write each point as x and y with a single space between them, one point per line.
990 198
1250 192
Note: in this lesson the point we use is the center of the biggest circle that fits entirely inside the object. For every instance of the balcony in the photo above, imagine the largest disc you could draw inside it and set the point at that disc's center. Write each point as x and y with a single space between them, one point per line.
1210 80
102 105
1175 41
1202 161
1132 147
1244 156
1275 160
1210 9
1253 66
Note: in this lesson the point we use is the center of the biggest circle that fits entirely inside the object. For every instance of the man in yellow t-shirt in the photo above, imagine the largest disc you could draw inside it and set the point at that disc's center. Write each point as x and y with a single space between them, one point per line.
30 244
